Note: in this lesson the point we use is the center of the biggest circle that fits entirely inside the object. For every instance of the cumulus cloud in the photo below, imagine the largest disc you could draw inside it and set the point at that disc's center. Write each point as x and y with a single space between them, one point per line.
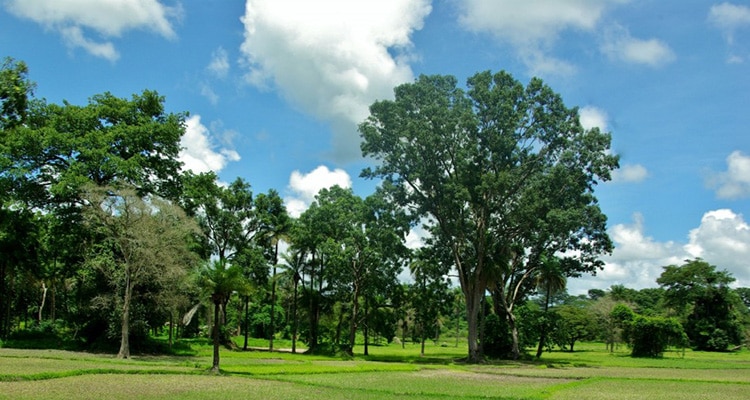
107 18
533 26
593 117
304 187
722 238
620 45
729 17
734 183
630 173
199 152
332 58
636 261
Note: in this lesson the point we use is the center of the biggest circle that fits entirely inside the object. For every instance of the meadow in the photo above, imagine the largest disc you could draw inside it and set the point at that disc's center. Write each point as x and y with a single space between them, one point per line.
388 372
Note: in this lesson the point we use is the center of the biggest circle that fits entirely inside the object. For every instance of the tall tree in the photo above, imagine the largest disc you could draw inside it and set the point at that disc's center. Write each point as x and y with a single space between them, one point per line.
482 166
139 241
273 224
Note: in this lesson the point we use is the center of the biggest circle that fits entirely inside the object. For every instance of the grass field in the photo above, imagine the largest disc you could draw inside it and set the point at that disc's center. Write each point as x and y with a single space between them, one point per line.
389 372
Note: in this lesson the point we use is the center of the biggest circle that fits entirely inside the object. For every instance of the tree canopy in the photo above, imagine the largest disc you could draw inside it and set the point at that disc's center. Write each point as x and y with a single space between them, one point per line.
503 172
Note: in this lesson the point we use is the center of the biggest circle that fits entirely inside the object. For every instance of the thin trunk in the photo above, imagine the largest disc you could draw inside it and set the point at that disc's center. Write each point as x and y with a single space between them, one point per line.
294 316
44 299
247 317
365 330
125 332
215 366
273 297
543 330
458 324
171 329
353 321
421 352
404 327
52 301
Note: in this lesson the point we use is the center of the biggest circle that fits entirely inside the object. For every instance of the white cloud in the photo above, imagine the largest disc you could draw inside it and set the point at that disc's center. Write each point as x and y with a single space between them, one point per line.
304 187
734 183
630 173
592 117
74 38
219 65
199 151
332 58
729 17
533 26
723 239
636 261
107 18
620 45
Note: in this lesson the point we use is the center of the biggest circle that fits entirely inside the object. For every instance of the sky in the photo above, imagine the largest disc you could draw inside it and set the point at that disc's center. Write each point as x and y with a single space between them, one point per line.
275 89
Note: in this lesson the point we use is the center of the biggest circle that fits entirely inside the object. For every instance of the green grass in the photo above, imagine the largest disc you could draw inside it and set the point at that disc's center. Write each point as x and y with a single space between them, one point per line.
388 372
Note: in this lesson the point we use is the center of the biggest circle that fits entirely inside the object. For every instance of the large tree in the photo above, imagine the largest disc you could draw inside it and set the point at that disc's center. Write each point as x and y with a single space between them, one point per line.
481 165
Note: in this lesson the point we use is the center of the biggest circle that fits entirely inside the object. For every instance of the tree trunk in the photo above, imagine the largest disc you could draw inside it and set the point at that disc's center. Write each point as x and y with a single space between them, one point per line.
247 316
44 299
365 330
543 330
171 329
516 351
353 321
473 305
273 297
215 366
294 316
125 332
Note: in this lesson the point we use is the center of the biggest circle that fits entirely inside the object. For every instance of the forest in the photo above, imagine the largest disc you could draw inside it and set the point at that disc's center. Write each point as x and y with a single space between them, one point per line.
107 244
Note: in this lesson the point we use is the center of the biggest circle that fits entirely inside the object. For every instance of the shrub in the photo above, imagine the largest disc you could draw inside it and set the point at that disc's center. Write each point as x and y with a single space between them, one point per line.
650 336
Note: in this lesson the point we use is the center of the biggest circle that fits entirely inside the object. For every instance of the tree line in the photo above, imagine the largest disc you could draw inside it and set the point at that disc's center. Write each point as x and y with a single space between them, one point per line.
105 239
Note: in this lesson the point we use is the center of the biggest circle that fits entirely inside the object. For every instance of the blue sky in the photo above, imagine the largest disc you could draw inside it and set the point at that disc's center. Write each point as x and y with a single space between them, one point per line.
275 89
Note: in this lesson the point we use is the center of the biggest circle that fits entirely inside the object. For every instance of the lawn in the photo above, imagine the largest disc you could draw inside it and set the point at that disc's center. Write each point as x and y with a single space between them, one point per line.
388 372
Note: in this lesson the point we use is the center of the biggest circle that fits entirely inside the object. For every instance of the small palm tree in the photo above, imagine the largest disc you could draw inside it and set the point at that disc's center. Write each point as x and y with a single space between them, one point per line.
220 280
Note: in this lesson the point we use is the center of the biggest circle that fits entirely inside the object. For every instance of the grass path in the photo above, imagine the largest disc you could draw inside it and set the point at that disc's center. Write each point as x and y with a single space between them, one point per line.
390 372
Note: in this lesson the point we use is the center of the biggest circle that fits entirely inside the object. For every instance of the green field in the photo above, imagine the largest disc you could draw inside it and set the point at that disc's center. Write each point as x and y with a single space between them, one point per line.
389 372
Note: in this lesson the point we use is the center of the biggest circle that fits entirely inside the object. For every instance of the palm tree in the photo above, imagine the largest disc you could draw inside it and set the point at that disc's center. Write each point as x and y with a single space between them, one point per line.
220 280
551 280
295 262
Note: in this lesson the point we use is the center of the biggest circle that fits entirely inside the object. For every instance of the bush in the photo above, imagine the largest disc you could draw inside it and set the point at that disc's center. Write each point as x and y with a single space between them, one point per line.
650 336
44 335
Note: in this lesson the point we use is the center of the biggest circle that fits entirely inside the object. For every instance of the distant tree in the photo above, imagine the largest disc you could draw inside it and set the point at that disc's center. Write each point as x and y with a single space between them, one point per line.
576 322
702 297
596 294
137 242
